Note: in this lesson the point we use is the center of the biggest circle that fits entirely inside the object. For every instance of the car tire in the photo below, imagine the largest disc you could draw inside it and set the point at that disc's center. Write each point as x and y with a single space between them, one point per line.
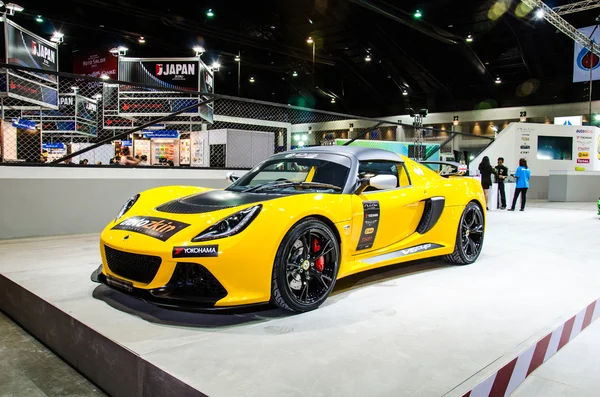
469 237
290 276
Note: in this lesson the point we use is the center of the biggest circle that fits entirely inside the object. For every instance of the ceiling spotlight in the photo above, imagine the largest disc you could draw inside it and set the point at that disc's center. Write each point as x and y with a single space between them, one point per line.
405 93
252 79
57 37
469 38
498 80
332 100
123 49
216 66
39 19
12 8
141 40
104 77
237 58
295 74
210 13
199 50
539 14
310 21
418 14
368 58
310 40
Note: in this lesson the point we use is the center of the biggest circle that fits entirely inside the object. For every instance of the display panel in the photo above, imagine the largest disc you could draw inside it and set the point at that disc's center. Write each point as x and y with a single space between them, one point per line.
554 148
24 48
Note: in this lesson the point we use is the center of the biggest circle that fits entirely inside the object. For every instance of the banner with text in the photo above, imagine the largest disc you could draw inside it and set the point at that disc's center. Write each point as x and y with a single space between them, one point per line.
24 48
584 60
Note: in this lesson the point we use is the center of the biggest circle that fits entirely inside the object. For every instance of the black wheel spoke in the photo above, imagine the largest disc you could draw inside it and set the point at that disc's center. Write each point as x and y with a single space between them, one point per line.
305 289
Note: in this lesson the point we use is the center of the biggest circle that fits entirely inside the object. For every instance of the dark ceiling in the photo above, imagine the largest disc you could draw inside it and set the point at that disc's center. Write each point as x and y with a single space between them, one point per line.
428 57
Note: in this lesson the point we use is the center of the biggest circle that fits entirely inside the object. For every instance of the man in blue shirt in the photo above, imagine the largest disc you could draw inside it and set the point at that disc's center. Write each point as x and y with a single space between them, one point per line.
522 174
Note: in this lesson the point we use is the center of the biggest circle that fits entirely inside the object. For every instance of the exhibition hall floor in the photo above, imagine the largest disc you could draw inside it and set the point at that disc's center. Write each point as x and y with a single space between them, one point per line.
421 329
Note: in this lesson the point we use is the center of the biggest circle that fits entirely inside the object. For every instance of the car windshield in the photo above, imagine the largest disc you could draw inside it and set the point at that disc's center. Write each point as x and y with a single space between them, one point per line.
297 173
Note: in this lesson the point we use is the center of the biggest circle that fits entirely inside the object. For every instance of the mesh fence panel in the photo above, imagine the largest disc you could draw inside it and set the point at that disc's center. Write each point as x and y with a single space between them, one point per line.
85 121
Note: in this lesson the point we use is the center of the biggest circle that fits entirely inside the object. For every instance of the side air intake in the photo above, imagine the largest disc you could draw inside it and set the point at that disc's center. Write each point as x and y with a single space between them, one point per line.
433 210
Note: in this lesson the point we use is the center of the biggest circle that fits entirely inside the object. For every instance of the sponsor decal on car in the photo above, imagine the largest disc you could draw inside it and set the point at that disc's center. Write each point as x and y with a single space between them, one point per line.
525 147
585 131
370 223
583 161
584 155
159 228
583 148
196 252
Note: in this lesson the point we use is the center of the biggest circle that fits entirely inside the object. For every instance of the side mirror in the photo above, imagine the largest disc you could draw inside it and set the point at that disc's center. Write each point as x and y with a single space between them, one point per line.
384 182
381 182
231 176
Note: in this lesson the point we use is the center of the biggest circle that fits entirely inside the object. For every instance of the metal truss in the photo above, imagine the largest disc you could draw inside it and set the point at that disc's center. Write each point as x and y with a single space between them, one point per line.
577 7
559 22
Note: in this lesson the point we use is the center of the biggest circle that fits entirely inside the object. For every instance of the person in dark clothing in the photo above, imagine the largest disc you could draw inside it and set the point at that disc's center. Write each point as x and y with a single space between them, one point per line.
502 173
486 170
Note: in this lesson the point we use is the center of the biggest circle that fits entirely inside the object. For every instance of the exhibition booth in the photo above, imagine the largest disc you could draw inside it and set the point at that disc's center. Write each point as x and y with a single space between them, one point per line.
563 159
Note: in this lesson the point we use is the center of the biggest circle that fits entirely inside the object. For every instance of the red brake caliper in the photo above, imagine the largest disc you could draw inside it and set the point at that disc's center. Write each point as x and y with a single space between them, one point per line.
319 263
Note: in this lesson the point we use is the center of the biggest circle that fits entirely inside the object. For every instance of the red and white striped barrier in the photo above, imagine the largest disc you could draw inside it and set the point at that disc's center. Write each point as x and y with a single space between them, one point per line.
510 376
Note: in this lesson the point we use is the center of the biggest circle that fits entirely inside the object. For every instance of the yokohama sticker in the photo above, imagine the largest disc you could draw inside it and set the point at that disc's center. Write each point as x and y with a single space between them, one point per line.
370 223
196 252
159 228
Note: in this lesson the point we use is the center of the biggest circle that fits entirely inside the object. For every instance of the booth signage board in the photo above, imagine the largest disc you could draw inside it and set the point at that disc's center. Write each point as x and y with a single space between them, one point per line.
24 48
583 148
55 145
170 73
161 134
127 143
199 149
95 64
24 124
28 90
76 114
569 120
182 74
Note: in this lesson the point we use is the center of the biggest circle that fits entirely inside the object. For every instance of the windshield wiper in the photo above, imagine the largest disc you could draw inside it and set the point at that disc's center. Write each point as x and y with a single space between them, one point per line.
308 185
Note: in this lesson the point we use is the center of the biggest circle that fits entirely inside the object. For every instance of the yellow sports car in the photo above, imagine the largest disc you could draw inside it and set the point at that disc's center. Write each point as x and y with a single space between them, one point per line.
288 229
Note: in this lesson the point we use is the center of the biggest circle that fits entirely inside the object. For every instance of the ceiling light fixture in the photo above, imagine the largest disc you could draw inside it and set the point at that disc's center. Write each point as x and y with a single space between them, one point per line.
469 38
39 19
295 74
141 40
539 14
418 14
498 80
57 37
237 58
210 13
216 66
405 93
104 77
11 8
199 50
310 40
332 100
252 79
368 58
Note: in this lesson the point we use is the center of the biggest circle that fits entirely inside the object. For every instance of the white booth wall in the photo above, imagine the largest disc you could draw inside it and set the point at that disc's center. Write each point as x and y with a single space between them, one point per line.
511 144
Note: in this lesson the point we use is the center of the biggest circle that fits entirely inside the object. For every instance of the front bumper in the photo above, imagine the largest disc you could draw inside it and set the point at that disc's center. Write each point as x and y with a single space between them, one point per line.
178 294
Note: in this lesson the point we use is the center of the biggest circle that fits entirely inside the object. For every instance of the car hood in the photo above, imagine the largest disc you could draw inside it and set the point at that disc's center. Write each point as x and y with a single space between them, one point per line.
213 200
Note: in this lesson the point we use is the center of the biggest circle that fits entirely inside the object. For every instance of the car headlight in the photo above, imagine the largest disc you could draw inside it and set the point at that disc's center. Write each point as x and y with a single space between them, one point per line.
229 226
127 206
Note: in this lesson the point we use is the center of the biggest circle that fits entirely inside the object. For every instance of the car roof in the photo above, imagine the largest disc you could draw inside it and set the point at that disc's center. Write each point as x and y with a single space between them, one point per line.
360 152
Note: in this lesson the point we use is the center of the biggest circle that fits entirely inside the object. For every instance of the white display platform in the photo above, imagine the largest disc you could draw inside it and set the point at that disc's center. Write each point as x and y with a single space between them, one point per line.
424 329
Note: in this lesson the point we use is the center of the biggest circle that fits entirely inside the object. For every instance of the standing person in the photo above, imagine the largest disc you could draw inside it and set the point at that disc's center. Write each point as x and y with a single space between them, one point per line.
522 174
502 173
486 170
126 158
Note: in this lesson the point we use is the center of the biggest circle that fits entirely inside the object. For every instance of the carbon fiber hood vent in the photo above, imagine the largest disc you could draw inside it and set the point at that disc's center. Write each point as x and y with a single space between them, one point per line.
213 200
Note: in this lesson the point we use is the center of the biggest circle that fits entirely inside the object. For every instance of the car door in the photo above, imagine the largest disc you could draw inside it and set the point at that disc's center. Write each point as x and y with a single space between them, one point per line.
381 218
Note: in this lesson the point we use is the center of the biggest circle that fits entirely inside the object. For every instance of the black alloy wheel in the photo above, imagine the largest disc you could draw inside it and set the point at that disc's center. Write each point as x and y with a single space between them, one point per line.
306 266
469 239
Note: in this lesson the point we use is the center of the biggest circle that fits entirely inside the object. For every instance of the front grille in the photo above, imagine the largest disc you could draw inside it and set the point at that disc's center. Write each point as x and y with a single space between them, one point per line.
179 207
135 267
194 280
